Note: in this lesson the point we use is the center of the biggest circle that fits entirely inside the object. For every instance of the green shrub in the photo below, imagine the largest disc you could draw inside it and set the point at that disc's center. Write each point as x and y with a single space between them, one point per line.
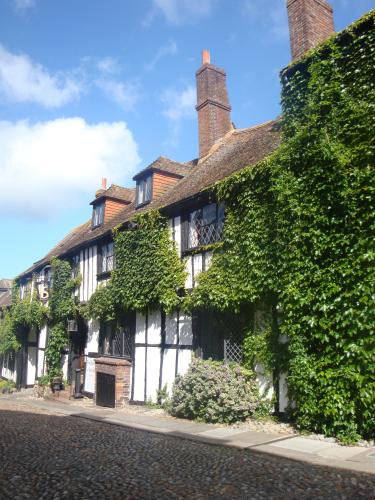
213 392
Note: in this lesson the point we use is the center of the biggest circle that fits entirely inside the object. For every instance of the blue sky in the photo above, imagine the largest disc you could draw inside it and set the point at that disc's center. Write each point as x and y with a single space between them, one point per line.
94 88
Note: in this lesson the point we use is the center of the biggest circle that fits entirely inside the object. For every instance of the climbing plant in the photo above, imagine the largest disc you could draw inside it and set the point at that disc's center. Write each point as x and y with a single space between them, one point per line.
22 315
148 273
62 306
299 235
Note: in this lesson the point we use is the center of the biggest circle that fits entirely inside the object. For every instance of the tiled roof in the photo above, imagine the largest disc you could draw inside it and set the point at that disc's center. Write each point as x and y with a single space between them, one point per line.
117 193
5 293
5 284
238 149
5 299
163 164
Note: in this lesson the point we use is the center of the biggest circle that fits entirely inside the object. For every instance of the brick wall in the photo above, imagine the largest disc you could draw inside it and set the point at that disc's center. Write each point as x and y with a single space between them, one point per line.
162 182
310 22
121 369
112 207
212 105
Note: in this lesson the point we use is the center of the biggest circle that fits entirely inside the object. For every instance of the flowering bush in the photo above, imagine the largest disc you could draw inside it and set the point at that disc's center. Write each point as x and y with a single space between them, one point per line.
213 392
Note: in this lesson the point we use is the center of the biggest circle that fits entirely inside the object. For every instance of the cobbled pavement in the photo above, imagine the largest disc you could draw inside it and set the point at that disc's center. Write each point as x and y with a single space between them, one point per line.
48 456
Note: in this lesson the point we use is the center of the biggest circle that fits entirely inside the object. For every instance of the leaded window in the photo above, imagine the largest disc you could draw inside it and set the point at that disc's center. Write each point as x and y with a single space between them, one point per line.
106 258
205 225
144 190
116 341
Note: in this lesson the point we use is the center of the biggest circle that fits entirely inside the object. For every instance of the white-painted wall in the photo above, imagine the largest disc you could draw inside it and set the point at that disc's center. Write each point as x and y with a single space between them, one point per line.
283 393
88 270
184 360
153 370
177 327
139 374
31 365
92 343
90 375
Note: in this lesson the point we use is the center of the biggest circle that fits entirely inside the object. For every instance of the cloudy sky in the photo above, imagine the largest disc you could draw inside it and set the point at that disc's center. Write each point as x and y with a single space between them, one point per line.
100 88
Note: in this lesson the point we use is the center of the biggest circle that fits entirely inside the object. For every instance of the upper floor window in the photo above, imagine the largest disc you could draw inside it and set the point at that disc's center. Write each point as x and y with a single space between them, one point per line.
205 225
106 258
75 266
144 190
98 215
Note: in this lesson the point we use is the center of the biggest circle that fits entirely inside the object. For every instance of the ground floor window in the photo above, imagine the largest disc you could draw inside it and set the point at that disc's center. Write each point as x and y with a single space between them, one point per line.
116 340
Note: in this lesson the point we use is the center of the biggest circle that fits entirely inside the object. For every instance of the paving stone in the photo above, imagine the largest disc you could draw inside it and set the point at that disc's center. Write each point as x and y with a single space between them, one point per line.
46 455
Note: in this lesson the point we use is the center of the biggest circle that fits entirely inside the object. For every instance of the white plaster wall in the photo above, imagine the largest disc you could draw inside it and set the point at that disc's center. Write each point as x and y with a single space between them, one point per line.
207 260
140 328
185 330
92 344
184 360
42 337
40 369
283 392
90 375
153 370
171 328
198 263
88 270
65 366
169 369
265 382
139 374
154 328
189 277
31 365
177 234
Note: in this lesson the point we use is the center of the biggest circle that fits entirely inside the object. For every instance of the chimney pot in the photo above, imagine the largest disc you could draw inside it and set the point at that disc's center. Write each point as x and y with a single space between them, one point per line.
104 183
206 57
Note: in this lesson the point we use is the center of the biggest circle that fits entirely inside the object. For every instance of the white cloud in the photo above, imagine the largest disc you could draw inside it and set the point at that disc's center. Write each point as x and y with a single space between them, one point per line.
109 65
179 11
45 168
271 15
124 94
165 50
23 4
179 103
23 80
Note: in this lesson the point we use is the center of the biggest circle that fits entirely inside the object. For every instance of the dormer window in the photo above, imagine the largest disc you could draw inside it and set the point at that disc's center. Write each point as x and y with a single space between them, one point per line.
98 215
144 190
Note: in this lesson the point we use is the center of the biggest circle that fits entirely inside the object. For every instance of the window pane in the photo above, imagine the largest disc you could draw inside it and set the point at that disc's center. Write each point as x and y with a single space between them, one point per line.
148 188
209 214
141 187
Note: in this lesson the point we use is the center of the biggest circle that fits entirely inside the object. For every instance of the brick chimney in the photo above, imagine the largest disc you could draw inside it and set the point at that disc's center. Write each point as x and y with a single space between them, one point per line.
212 104
310 22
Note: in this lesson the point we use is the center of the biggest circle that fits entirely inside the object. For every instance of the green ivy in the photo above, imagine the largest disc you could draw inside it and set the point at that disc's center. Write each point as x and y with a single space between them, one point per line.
148 273
62 306
299 235
22 315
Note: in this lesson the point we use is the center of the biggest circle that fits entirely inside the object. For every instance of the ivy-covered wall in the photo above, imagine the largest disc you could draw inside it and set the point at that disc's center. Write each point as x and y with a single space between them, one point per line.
148 272
299 235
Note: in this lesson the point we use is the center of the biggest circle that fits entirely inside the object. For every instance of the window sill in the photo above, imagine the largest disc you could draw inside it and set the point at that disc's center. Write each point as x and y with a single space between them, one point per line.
140 205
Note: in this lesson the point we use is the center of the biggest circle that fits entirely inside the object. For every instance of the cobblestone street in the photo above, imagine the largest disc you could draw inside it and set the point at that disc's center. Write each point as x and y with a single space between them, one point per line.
45 455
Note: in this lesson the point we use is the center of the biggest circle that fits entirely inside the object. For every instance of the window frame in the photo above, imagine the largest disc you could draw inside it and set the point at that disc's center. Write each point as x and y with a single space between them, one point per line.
144 190
106 251
97 215
204 222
